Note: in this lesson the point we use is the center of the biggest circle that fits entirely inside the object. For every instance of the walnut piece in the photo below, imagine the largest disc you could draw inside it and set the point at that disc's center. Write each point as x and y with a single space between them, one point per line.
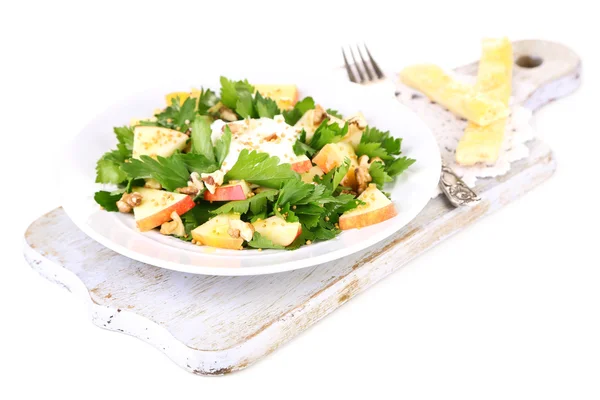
195 181
319 115
362 174
129 201
227 114
271 137
239 228
174 227
213 180
189 190
358 120
234 233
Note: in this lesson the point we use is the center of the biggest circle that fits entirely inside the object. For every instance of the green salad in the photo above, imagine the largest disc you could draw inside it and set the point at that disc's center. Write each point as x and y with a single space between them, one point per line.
250 167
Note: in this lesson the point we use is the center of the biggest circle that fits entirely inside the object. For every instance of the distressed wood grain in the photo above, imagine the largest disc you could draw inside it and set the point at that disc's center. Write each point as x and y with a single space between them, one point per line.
212 325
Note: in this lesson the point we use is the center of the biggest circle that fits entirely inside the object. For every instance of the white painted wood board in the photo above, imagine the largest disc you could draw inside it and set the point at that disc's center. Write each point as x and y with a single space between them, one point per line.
214 325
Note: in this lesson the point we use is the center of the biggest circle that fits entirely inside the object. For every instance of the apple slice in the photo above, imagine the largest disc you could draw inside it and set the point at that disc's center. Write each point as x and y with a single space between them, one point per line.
377 208
332 155
301 164
284 95
215 233
356 125
234 190
309 176
277 230
155 141
157 206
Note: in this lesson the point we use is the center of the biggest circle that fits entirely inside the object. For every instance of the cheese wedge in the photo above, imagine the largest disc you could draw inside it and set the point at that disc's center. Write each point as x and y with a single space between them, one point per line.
481 144
460 98
182 96
284 95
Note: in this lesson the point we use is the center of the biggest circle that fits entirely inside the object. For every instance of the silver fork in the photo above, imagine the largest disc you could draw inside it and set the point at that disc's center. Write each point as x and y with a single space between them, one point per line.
368 72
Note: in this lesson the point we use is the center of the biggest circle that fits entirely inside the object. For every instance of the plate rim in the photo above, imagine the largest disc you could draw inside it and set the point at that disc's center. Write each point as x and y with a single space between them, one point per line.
249 270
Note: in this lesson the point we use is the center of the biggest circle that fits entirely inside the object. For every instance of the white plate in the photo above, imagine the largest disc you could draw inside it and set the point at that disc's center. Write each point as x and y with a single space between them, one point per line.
410 192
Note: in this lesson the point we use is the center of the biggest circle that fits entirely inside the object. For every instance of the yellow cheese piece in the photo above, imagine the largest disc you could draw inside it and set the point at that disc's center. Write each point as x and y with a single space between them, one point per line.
460 98
481 144
181 96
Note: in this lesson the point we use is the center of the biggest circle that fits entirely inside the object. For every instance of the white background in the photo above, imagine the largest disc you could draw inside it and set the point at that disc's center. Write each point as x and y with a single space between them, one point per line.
508 308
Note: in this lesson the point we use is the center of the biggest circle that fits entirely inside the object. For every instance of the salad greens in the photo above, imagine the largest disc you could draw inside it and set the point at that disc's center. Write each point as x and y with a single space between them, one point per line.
316 205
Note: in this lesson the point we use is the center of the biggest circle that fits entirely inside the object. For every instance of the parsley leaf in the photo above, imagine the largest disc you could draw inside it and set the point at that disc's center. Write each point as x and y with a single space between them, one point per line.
292 116
265 107
373 149
256 204
302 149
108 171
230 91
261 242
327 133
261 169
201 139
294 191
308 220
125 137
207 99
376 143
334 113
108 200
245 105
197 163
170 172
222 146
399 165
332 179
377 172
176 116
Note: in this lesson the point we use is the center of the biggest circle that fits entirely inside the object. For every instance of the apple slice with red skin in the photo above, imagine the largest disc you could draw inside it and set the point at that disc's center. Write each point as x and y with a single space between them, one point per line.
301 164
239 190
377 208
277 230
157 205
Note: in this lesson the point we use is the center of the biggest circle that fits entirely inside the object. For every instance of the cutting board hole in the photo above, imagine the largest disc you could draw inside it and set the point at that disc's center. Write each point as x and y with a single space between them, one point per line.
529 61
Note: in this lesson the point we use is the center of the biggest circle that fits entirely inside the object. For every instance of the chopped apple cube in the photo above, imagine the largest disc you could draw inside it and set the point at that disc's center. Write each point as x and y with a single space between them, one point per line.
301 164
332 155
309 176
239 190
155 141
277 230
377 208
157 206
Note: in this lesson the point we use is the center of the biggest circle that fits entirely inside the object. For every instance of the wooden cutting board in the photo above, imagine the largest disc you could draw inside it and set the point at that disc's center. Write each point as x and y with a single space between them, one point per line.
213 325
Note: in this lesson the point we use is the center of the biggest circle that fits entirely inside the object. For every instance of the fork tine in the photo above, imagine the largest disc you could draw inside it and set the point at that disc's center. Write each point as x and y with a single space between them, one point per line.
362 78
378 72
365 64
348 69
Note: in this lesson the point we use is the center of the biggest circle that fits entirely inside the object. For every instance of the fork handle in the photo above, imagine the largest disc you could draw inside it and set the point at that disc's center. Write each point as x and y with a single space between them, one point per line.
456 191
